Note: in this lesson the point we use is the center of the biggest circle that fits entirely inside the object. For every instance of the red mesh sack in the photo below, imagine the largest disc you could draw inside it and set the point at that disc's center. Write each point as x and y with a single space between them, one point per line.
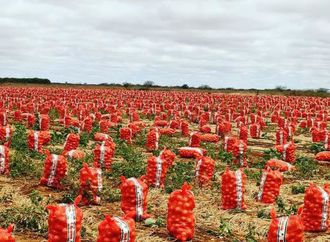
3 118
185 128
152 141
280 165
191 152
315 211
180 215
65 222
90 184
161 123
4 159
103 155
134 198
44 122
204 170
327 142
205 129
6 234
87 125
212 138
167 131
233 189
243 133
323 156
194 140
31 120
168 156
288 152
281 137
255 131
229 143
105 125
223 128
270 185
126 134
36 140
114 229
18 116
5 133
175 124
55 168
156 171
289 229
239 153
75 154
101 137
72 142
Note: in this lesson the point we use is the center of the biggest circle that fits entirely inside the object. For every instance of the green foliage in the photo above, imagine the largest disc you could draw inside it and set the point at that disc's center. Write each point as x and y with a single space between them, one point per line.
58 137
18 141
296 189
262 213
271 154
111 195
317 147
251 235
306 167
84 139
224 229
226 157
179 173
254 175
284 209
21 165
53 114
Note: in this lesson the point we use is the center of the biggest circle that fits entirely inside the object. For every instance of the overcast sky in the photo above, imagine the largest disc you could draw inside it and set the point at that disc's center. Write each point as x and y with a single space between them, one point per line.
222 43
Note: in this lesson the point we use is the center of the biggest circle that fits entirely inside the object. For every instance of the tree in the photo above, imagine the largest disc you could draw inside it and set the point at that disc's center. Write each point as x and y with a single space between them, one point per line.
204 87
184 86
148 83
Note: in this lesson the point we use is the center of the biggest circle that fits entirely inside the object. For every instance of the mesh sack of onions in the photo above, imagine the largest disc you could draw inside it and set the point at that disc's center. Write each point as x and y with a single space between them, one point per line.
156 171
280 165
204 170
191 152
185 128
6 234
134 198
65 222
212 138
233 189
270 186
6 133
281 137
36 139
90 184
194 140
44 122
4 159
55 168
288 151
243 133
180 215
101 137
126 134
167 131
168 156
152 142
289 229
229 143
103 155
315 211
74 154
239 153
71 142
255 131
114 229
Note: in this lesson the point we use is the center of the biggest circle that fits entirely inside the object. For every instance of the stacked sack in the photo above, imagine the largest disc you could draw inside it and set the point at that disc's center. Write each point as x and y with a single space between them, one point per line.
194 140
184 128
103 155
126 134
134 198
152 141
315 211
323 156
5 133
4 159
280 165
233 189
168 156
289 229
288 152
156 171
64 222
270 185
44 122
243 133
255 131
74 154
180 216
191 152
114 229
90 184
239 153
72 142
6 234
281 136
204 170
55 168
36 139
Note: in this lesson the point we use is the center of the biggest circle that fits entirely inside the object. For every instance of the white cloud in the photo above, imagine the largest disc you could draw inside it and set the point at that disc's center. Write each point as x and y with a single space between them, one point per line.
238 43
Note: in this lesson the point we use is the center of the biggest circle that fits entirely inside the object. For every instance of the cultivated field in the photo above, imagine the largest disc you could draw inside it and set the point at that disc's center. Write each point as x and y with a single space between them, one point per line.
88 113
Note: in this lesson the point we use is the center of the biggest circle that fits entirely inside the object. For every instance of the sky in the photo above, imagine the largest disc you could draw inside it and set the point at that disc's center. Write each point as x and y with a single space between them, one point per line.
220 43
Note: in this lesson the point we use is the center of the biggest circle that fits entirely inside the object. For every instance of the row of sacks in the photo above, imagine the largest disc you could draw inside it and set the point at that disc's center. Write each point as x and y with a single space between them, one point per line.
65 220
